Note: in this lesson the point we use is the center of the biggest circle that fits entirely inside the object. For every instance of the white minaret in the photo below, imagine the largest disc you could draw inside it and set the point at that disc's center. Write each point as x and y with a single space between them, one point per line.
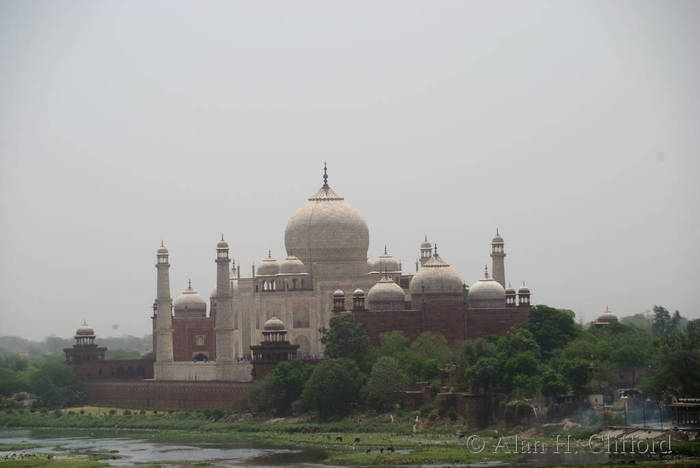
497 255
224 305
164 319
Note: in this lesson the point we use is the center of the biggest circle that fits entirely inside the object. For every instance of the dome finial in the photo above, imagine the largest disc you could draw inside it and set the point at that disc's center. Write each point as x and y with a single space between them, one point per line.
486 271
325 175
426 238
384 249
269 253
435 248
497 231
189 284
162 244
222 236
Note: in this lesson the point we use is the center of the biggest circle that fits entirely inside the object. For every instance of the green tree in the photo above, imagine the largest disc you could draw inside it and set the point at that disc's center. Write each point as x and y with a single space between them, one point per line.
661 324
385 384
551 328
432 345
575 372
345 339
289 378
55 384
334 387
552 382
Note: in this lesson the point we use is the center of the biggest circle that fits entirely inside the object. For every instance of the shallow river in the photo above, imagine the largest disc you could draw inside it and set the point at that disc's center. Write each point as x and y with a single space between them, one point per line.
131 450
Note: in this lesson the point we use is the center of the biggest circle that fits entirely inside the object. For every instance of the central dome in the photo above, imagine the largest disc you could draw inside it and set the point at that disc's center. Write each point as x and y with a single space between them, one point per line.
327 228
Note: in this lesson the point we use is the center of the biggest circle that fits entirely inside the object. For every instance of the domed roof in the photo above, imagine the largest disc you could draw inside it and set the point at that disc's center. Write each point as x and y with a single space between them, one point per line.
162 250
425 244
190 302
327 228
497 239
524 289
510 290
358 292
436 277
607 317
268 267
385 290
85 330
292 266
273 324
338 293
222 244
386 264
486 293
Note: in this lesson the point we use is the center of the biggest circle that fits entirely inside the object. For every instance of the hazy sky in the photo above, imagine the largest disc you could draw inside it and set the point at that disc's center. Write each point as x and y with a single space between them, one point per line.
574 127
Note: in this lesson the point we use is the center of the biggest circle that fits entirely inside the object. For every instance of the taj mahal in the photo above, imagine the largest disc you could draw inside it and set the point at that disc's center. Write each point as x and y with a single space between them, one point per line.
326 272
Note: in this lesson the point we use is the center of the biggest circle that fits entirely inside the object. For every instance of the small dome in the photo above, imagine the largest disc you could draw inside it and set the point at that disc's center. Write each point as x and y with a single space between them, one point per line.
222 244
607 317
85 330
292 266
487 293
162 250
358 292
436 277
524 289
274 324
497 239
385 290
386 264
425 244
338 293
268 267
190 303
510 291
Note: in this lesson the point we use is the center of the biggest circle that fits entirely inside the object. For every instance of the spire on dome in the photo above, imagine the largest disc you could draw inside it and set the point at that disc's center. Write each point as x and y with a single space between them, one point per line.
162 244
222 236
384 249
189 284
435 248
325 175
269 253
486 271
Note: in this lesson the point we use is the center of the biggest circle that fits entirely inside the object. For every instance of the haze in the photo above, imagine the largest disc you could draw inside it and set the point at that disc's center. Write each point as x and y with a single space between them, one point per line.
573 127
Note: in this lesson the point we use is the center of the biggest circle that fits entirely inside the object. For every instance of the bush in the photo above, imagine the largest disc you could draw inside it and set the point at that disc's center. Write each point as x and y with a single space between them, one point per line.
333 388
127 412
452 414
82 411
386 382
58 413
112 412
426 409
142 412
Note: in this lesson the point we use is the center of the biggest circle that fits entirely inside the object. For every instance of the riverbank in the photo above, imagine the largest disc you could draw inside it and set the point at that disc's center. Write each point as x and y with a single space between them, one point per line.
401 438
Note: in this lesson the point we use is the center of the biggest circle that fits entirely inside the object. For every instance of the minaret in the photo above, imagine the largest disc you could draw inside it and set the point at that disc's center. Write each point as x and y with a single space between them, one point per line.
164 304
426 251
224 305
497 254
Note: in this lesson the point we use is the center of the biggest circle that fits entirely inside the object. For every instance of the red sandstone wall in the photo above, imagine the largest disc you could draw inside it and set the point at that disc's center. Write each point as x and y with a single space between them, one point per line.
115 369
455 323
168 395
185 331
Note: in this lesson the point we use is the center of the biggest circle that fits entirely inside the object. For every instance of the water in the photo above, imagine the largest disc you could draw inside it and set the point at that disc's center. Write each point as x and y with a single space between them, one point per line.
127 451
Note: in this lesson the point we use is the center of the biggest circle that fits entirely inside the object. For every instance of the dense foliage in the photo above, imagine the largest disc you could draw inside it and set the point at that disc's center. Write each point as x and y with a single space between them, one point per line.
48 378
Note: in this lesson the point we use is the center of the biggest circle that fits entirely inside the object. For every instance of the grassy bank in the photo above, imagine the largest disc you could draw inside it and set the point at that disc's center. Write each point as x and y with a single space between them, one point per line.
363 439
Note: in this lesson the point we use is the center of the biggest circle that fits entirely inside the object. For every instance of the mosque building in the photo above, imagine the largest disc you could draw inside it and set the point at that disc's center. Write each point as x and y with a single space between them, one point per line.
326 272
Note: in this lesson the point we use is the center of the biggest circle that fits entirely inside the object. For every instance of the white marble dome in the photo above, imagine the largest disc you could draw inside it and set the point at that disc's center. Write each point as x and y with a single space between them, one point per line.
190 303
385 290
327 228
386 263
436 277
607 317
273 324
268 267
85 330
487 293
292 266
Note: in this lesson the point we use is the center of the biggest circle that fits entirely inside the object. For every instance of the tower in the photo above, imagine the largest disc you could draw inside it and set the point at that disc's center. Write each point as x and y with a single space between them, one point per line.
426 251
223 326
164 304
497 256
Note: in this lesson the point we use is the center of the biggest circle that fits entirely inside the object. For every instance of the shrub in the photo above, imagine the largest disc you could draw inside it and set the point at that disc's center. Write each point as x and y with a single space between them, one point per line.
426 409
58 413
127 412
452 414
82 411
112 412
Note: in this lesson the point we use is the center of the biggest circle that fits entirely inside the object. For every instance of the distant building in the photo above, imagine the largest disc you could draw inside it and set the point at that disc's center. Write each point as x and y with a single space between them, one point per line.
326 267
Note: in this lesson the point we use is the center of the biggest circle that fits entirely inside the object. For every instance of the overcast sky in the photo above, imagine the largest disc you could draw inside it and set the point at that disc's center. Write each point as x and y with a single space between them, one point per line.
573 127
